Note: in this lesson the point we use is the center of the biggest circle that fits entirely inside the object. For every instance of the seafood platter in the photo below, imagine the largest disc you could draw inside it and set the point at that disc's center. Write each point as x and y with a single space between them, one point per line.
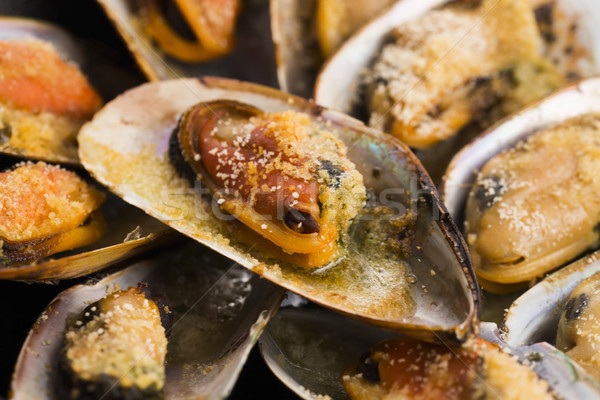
317 199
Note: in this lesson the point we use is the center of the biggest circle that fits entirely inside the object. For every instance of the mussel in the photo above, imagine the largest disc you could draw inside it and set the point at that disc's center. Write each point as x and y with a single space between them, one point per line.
306 32
534 207
277 173
219 310
551 239
578 327
407 369
44 100
314 351
213 25
46 210
398 283
117 347
455 65
130 18
439 91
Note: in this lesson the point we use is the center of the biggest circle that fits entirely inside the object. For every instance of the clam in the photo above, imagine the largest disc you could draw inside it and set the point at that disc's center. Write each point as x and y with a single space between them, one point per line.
307 32
309 349
572 102
428 105
44 97
219 310
250 40
126 147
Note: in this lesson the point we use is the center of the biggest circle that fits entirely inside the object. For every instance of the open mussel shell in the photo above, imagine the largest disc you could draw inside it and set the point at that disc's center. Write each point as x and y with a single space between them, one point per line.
130 232
250 60
534 316
295 30
309 349
219 309
338 84
577 99
126 148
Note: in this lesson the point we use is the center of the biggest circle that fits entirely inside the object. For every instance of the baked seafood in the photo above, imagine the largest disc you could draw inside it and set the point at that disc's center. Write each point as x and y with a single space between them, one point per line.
44 100
212 23
578 329
534 207
395 283
454 65
286 179
45 210
407 369
116 348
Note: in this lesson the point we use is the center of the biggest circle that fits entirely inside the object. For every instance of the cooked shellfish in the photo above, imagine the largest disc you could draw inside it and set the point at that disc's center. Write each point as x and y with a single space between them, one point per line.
212 22
568 41
117 348
306 32
277 173
44 100
572 102
371 279
534 207
309 349
407 369
219 311
46 210
250 43
578 326
453 65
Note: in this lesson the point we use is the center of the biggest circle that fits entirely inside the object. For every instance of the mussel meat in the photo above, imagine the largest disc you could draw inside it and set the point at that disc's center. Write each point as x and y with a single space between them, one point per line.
578 328
212 22
45 210
336 20
454 65
44 100
403 368
534 207
277 173
117 347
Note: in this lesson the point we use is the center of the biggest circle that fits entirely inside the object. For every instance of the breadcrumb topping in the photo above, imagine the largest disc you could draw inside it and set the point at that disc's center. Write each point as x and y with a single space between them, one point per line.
450 65
123 338
39 200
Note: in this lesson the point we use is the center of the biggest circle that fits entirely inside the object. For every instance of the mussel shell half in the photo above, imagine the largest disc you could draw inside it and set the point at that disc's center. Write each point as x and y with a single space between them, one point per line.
577 99
534 316
308 349
220 309
126 148
129 233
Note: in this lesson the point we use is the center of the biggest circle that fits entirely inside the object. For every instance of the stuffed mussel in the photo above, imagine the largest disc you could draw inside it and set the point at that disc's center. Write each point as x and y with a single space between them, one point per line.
117 348
276 173
44 97
353 188
79 343
437 73
45 210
